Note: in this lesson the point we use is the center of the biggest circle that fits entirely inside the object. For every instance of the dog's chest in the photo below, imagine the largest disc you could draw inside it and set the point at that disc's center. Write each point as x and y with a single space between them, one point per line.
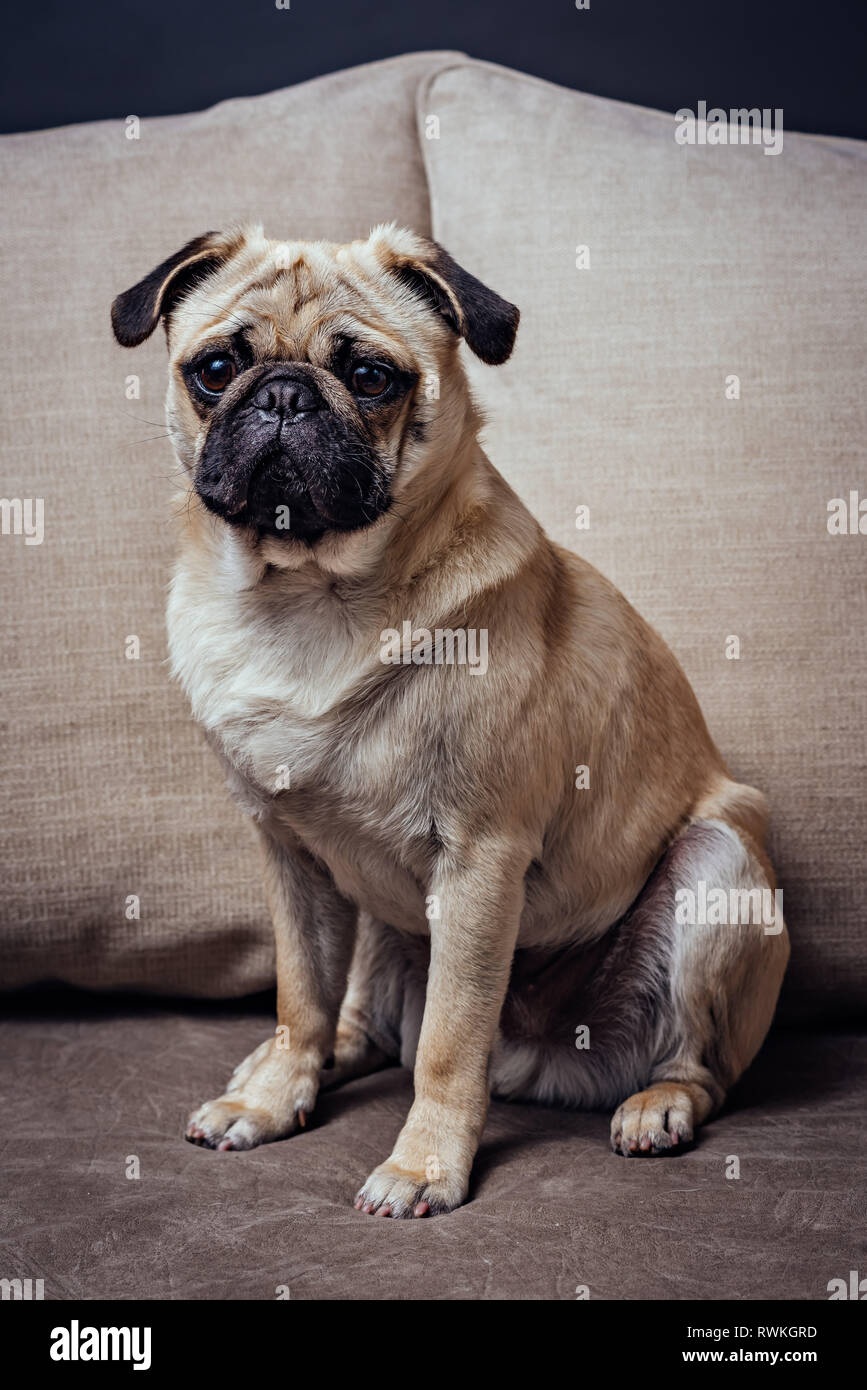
276 691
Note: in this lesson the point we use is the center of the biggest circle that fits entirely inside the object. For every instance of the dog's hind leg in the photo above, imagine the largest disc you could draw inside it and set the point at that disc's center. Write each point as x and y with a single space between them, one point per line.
672 1011
380 1017
728 954
354 1052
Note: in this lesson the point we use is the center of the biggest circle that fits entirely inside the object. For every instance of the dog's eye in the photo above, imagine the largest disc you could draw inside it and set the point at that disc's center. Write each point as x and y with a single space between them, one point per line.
369 380
216 372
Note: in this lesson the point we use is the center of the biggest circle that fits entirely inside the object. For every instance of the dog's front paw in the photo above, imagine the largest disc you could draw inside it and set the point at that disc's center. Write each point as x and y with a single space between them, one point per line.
269 1097
392 1190
228 1123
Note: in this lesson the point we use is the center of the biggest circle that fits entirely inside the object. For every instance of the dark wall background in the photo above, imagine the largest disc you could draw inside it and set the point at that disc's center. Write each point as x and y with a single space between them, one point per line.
67 62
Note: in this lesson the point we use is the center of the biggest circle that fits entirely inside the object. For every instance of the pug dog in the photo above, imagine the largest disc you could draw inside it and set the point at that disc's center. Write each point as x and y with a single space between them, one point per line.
447 893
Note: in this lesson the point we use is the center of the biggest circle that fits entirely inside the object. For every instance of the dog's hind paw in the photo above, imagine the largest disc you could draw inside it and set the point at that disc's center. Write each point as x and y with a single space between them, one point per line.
659 1120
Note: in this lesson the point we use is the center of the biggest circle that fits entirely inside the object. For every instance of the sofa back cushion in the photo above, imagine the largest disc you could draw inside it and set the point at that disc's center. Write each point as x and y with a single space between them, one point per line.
124 861
690 368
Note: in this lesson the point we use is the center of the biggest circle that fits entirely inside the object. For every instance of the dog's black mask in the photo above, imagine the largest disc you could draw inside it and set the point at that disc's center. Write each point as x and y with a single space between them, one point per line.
280 460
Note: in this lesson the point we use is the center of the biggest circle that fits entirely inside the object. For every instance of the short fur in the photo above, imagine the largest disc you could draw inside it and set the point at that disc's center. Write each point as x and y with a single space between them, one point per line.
443 894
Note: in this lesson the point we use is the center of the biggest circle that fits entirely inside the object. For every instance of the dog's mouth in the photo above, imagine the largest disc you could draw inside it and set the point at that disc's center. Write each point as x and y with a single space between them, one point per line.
273 498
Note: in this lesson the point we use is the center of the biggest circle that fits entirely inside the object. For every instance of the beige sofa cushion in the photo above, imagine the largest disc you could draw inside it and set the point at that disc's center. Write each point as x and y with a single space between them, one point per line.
106 790
709 513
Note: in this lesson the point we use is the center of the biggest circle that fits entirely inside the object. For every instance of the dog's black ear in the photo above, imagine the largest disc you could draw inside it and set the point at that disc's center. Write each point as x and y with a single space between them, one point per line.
136 313
485 321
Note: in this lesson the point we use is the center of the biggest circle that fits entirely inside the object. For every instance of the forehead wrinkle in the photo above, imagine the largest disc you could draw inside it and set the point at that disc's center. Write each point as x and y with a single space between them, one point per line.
287 303
270 277
346 323
282 278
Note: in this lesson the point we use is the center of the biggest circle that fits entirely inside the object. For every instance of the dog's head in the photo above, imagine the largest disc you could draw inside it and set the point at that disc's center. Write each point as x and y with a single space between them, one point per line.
307 379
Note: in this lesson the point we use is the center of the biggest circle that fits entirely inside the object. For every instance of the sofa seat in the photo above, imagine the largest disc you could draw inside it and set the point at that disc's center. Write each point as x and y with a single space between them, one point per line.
93 1082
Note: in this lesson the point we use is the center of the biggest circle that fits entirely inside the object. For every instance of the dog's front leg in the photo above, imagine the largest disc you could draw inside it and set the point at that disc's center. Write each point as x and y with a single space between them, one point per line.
473 936
273 1090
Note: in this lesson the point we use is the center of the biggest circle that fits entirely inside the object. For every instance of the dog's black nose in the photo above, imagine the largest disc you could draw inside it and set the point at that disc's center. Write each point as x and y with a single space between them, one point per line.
286 398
